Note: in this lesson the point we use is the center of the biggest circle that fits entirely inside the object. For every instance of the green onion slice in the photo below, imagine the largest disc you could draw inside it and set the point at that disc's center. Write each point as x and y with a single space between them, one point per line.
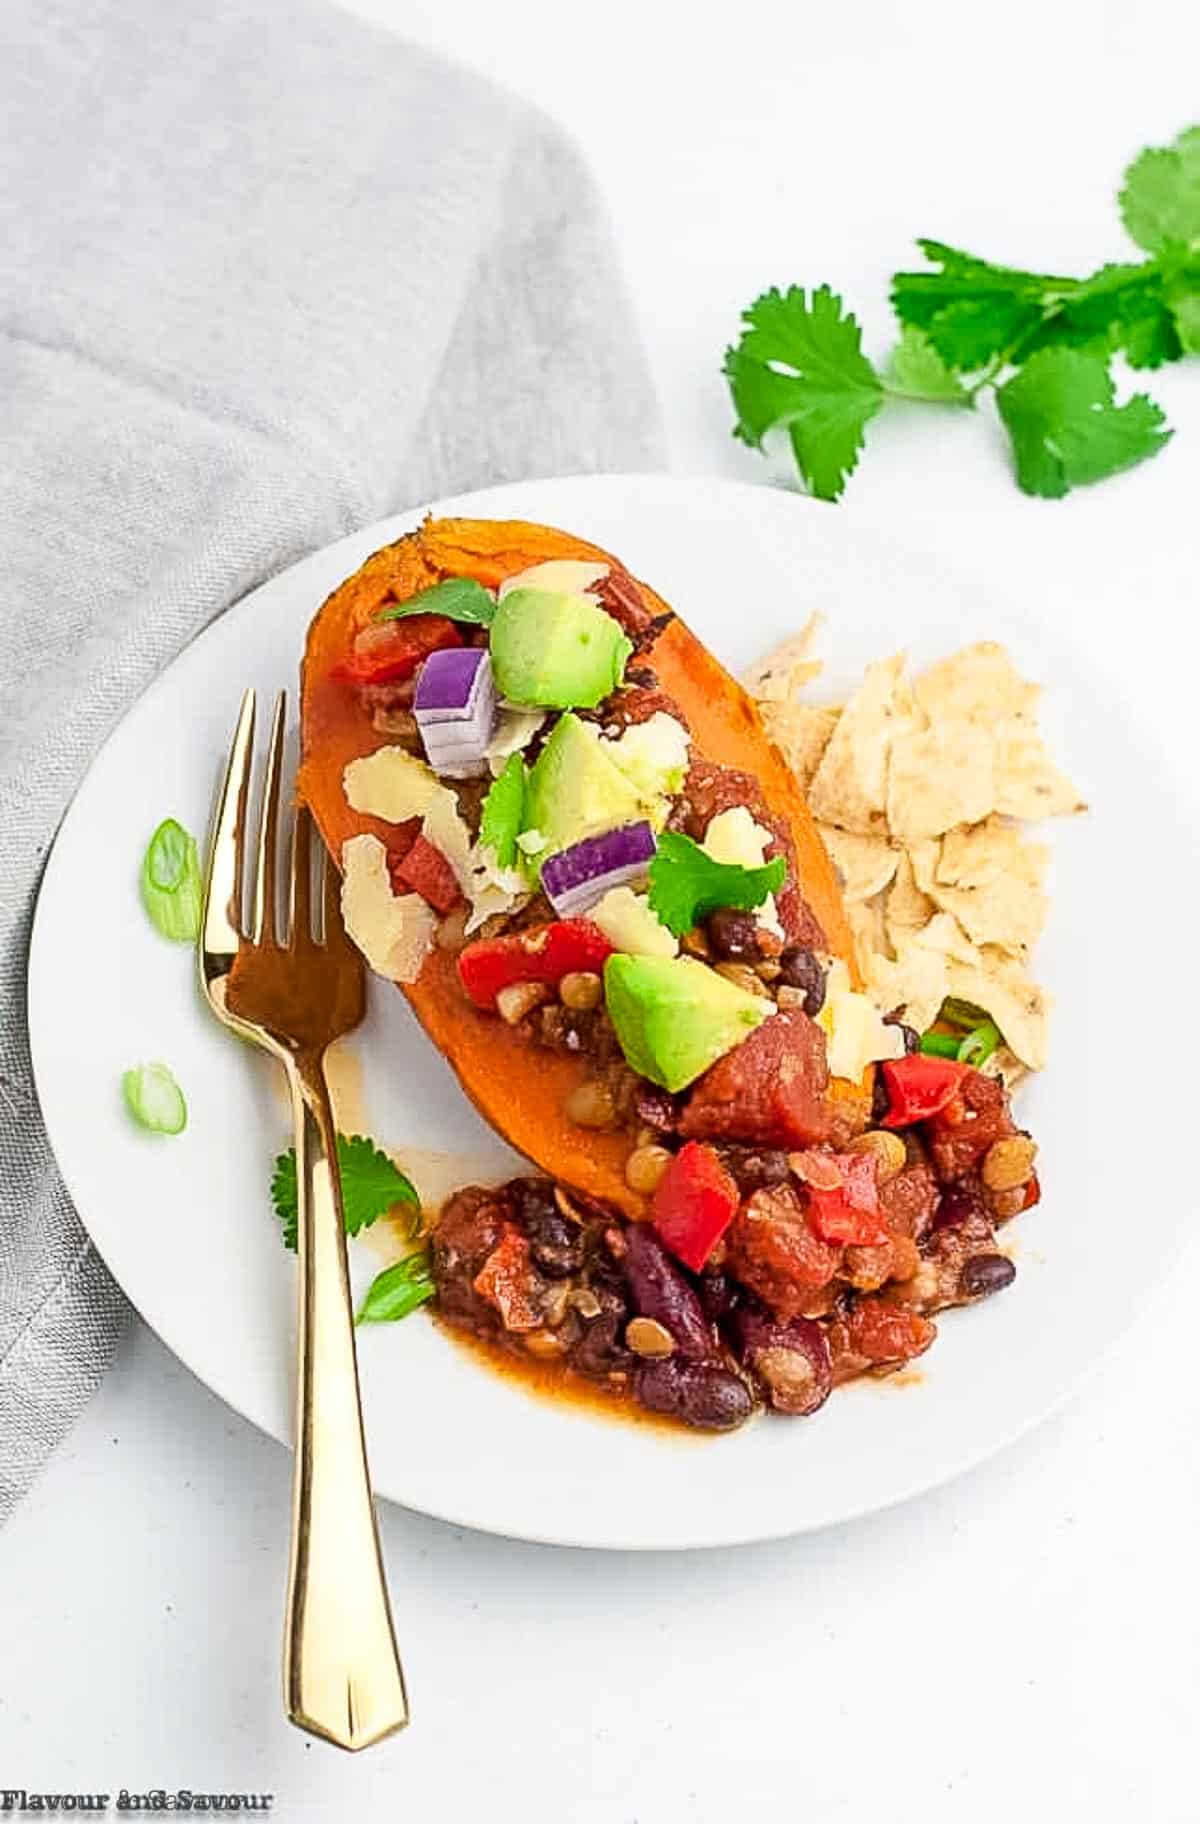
979 1045
940 1044
398 1290
171 886
154 1099
964 1014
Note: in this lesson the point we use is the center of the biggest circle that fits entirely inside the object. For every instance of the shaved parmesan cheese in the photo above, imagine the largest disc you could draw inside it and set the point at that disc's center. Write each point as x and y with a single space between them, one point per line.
390 784
515 729
855 1033
627 921
394 932
562 575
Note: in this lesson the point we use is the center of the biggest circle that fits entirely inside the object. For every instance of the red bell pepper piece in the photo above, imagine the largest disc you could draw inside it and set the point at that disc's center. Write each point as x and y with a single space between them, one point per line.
850 1215
543 953
387 652
426 871
694 1204
919 1086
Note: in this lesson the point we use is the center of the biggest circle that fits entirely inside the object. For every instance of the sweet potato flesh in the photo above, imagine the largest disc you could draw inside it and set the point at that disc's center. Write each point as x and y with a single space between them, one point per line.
518 1087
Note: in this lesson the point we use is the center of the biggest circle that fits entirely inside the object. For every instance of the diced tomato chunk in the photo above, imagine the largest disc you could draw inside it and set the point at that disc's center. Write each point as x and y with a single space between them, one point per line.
888 1333
851 1213
543 953
962 1132
776 1253
694 1204
385 652
768 1091
426 871
508 1281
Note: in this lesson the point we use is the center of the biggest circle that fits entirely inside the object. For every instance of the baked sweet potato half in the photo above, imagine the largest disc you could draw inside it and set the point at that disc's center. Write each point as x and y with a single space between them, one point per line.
355 702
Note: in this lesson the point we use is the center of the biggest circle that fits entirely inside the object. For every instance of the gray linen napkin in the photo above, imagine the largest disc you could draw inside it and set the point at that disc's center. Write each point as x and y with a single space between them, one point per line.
266 276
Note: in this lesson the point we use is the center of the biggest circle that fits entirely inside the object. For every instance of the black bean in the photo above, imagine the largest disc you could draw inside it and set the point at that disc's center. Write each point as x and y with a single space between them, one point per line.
600 1348
657 1108
700 1393
732 936
790 1360
880 1100
910 1035
752 1167
985 1273
958 1204
720 1295
800 969
660 1291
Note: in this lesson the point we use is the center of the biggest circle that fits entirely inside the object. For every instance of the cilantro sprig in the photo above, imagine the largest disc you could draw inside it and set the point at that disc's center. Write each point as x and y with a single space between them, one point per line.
371 1186
686 884
1042 343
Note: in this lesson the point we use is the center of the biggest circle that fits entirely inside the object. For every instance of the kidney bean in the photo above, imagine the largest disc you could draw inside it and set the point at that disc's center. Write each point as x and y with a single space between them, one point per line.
733 936
790 1360
800 969
984 1274
660 1291
700 1393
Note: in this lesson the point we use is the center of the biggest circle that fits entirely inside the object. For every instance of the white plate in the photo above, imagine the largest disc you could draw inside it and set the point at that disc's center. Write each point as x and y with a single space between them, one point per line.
185 1224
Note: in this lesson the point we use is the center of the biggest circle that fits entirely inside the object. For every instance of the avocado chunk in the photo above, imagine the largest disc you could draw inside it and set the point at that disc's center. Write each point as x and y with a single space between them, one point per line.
674 1017
575 790
556 650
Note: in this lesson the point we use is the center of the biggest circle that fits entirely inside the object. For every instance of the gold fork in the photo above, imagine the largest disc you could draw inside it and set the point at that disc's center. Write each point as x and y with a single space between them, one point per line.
293 993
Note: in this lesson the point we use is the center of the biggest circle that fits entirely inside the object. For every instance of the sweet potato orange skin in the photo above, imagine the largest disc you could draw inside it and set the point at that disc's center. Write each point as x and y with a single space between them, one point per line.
520 1088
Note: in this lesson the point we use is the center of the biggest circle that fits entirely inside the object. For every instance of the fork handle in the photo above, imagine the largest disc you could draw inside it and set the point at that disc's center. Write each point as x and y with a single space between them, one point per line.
341 1670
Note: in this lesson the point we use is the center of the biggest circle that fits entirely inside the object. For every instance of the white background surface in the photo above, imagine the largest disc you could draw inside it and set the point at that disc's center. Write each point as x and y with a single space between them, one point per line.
1025 1639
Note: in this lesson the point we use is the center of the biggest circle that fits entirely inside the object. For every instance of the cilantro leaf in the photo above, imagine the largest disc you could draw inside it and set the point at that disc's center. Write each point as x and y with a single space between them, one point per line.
503 809
917 371
1066 430
1160 196
800 366
459 598
1186 312
398 1290
686 884
972 311
1120 308
371 1186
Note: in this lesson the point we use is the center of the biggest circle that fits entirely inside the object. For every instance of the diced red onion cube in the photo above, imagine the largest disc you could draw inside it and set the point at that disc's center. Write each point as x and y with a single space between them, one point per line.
577 877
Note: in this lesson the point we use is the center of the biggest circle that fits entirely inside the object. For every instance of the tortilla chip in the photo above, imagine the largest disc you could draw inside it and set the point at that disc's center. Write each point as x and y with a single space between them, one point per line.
940 776
866 863
865 919
1028 784
1019 1007
788 668
1006 1065
944 934
977 854
849 787
802 732
1009 911
978 684
907 908
913 984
